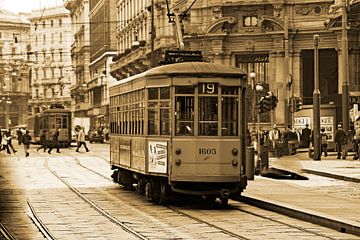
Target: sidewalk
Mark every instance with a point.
(308, 203)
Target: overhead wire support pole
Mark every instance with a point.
(345, 68)
(316, 102)
(152, 57)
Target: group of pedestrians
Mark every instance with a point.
(47, 142)
(289, 140)
(23, 138)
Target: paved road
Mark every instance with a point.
(28, 179)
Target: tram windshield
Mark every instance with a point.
(212, 100)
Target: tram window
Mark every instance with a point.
(153, 128)
(229, 125)
(165, 93)
(64, 122)
(153, 93)
(184, 115)
(185, 90)
(51, 122)
(58, 122)
(46, 122)
(164, 121)
(229, 90)
(208, 116)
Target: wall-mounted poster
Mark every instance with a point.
(157, 156)
(328, 124)
(325, 122)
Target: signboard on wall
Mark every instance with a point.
(157, 162)
(325, 122)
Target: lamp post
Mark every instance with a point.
(6, 101)
(316, 101)
(345, 68)
(256, 115)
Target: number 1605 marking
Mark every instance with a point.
(207, 151)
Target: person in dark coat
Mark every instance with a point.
(341, 141)
(306, 136)
(26, 140)
(9, 138)
(55, 142)
(19, 135)
(43, 141)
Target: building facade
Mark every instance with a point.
(52, 73)
(14, 69)
(274, 39)
(143, 34)
(80, 55)
(102, 15)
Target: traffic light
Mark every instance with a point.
(298, 104)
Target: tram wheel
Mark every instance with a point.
(148, 191)
(211, 199)
(118, 177)
(224, 201)
(163, 193)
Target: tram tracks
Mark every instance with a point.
(38, 223)
(227, 232)
(94, 206)
(5, 233)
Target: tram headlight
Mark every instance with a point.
(178, 162)
(234, 152)
(234, 162)
(178, 151)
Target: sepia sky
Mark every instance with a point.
(17, 6)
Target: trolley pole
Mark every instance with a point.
(316, 101)
(345, 68)
(152, 37)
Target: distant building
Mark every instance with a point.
(52, 75)
(143, 34)
(274, 39)
(14, 69)
(80, 55)
(102, 16)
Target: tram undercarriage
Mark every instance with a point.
(158, 190)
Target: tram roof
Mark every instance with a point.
(189, 68)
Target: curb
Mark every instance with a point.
(332, 175)
(339, 224)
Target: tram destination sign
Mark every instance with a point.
(208, 88)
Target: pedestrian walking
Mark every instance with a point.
(341, 141)
(55, 141)
(81, 140)
(9, 138)
(306, 136)
(275, 138)
(4, 143)
(19, 135)
(43, 141)
(26, 140)
(324, 141)
(356, 142)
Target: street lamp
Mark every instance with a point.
(256, 87)
(345, 67)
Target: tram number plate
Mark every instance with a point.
(207, 151)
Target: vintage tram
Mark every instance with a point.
(50, 120)
(180, 128)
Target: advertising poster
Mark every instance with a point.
(325, 122)
(157, 156)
